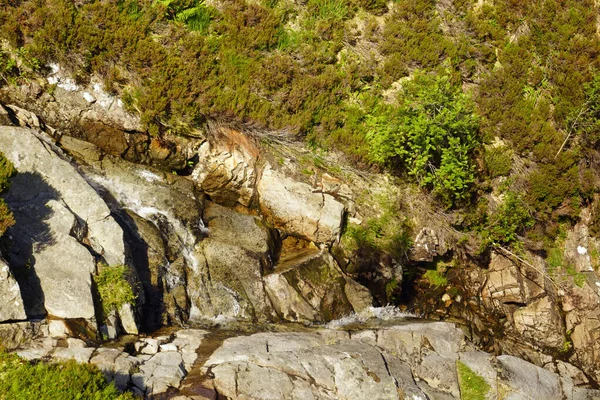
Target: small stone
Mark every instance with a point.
(168, 347)
(88, 97)
(57, 328)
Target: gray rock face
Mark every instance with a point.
(11, 303)
(62, 222)
(162, 214)
(227, 281)
(298, 209)
(308, 285)
(409, 361)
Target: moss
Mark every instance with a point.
(20, 379)
(472, 386)
(114, 288)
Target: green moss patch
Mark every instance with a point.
(472, 386)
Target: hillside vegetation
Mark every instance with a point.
(459, 96)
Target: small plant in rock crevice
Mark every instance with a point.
(114, 288)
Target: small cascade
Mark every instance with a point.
(371, 317)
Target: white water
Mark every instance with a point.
(387, 313)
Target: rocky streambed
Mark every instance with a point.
(395, 359)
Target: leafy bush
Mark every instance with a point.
(114, 288)
(509, 221)
(20, 379)
(432, 134)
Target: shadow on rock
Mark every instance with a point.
(28, 199)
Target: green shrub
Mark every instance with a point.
(472, 386)
(114, 288)
(20, 379)
(509, 221)
(432, 135)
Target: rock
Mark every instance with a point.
(503, 281)
(407, 341)
(426, 246)
(57, 328)
(110, 329)
(187, 342)
(62, 266)
(115, 365)
(59, 215)
(527, 381)
(299, 366)
(81, 355)
(308, 285)
(38, 350)
(81, 149)
(439, 373)
(246, 231)
(168, 347)
(127, 318)
(227, 281)
(578, 246)
(161, 372)
(149, 346)
(226, 168)
(73, 343)
(25, 118)
(11, 302)
(5, 116)
(20, 334)
(298, 209)
(540, 322)
(359, 296)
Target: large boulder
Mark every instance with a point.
(63, 228)
(226, 279)
(298, 209)
(307, 285)
(33, 155)
(227, 167)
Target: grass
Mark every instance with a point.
(20, 379)
(472, 386)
